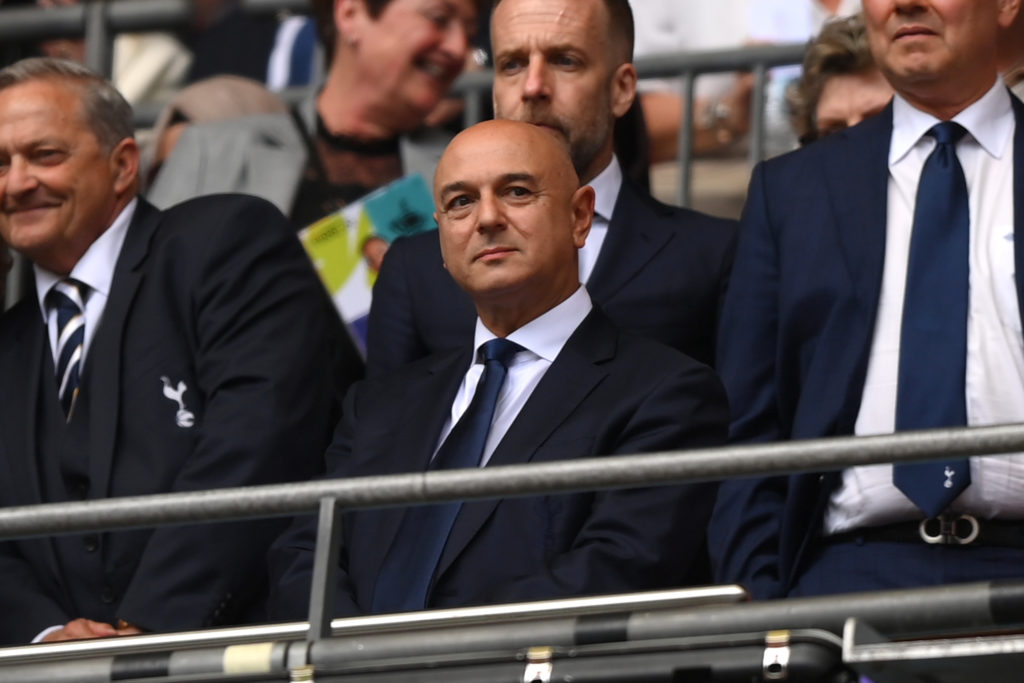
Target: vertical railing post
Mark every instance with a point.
(685, 151)
(99, 38)
(757, 116)
(325, 563)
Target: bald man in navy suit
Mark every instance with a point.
(512, 218)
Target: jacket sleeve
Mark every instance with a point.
(291, 557)
(392, 339)
(264, 339)
(743, 536)
(29, 608)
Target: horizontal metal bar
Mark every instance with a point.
(27, 24)
(425, 620)
(982, 607)
(512, 480)
(670, 65)
(909, 612)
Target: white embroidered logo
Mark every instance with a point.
(184, 417)
(949, 478)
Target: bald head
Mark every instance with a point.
(550, 150)
(512, 216)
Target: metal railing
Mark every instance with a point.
(589, 474)
(947, 608)
(421, 651)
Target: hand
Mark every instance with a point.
(126, 628)
(81, 629)
(374, 249)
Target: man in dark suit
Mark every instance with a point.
(876, 290)
(656, 270)
(159, 352)
(512, 217)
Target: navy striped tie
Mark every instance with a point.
(66, 299)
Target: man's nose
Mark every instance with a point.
(490, 216)
(536, 86)
(19, 179)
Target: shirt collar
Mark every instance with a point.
(96, 267)
(545, 335)
(606, 188)
(989, 121)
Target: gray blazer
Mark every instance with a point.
(263, 155)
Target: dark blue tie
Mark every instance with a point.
(933, 337)
(66, 298)
(407, 571)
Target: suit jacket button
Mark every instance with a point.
(79, 490)
(91, 543)
(107, 595)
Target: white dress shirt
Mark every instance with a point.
(543, 338)
(606, 190)
(95, 269)
(995, 349)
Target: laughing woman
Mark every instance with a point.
(391, 62)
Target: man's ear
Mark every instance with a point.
(582, 214)
(1008, 10)
(124, 160)
(350, 16)
(623, 88)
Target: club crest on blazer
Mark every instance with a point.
(184, 418)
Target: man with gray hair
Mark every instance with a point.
(878, 289)
(159, 352)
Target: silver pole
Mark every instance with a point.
(512, 480)
(944, 610)
(427, 621)
(685, 151)
(758, 100)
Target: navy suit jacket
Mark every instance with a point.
(796, 334)
(216, 293)
(661, 273)
(605, 393)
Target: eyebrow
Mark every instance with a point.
(544, 49)
(462, 185)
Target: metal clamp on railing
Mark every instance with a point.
(302, 674)
(539, 665)
(776, 656)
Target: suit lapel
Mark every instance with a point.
(636, 233)
(858, 183)
(22, 358)
(566, 384)
(104, 362)
(426, 404)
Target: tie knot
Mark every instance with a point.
(501, 350)
(67, 292)
(947, 132)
